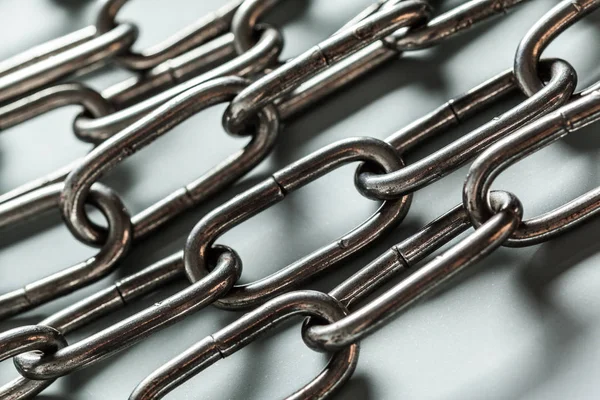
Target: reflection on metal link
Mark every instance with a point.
(380, 311)
(275, 189)
(246, 330)
(304, 92)
(36, 75)
(46, 50)
(558, 91)
(150, 128)
(114, 247)
(98, 129)
(520, 144)
(24, 339)
(43, 101)
(204, 29)
(227, 56)
(129, 331)
(448, 24)
(317, 59)
(545, 30)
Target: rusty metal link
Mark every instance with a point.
(246, 330)
(113, 247)
(532, 137)
(204, 29)
(157, 123)
(273, 190)
(545, 30)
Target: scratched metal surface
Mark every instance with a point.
(523, 324)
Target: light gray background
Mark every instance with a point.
(523, 324)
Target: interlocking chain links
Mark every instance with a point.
(44, 101)
(122, 229)
(552, 24)
(151, 127)
(560, 88)
(33, 76)
(205, 291)
(46, 50)
(247, 329)
(260, 56)
(198, 247)
(349, 329)
(317, 59)
(302, 90)
(125, 333)
(113, 247)
(366, 60)
(519, 145)
(25, 339)
(204, 29)
(129, 331)
(372, 316)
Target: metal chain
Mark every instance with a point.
(229, 57)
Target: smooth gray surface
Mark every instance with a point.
(524, 324)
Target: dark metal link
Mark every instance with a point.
(446, 160)
(520, 144)
(129, 331)
(35, 76)
(273, 190)
(448, 24)
(46, 50)
(111, 152)
(99, 129)
(24, 339)
(317, 59)
(246, 330)
(545, 30)
(374, 315)
(204, 29)
(115, 246)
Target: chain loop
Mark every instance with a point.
(25, 339)
(545, 30)
(151, 127)
(99, 129)
(372, 316)
(273, 190)
(246, 330)
(37, 75)
(441, 163)
(313, 61)
(520, 144)
(129, 331)
(203, 30)
(115, 246)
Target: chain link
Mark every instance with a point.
(231, 56)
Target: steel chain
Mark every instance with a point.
(229, 57)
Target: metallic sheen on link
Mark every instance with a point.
(231, 56)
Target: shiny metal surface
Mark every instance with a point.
(188, 73)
